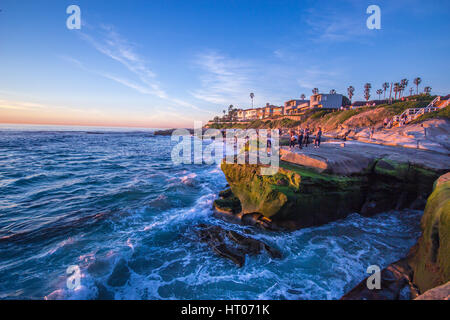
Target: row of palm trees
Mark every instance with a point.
(398, 88)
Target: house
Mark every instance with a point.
(295, 106)
(326, 101)
(277, 111)
(250, 114)
(260, 113)
(268, 110)
(240, 115)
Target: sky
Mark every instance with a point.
(163, 63)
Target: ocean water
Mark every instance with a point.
(99, 199)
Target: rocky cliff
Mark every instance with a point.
(430, 259)
(298, 197)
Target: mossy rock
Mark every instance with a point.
(405, 172)
(294, 193)
(304, 197)
(431, 261)
(255, 191)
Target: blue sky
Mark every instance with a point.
(168, 63)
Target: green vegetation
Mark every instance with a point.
(310, 173)
(399, 107)
(258, 124)
(341, 116)
(440, 114)
(319, 114)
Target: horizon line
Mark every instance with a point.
(87, 125)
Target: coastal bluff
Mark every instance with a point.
(424, 274)
(317, 186)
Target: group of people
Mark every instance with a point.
(300, 137)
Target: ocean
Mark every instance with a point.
(112, 203)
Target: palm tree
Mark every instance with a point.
(427, 90)
(332, 91)
(367, 88)
(396, 89)
(385, 87)
(402, 88)
(417, 81)
(404, 84)
(315, 91)
(303, 96)
(350, 91)
(252, 95)
(379, 92)
(230, 111)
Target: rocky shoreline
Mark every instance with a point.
(315, 188)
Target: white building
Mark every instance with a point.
(327, 101)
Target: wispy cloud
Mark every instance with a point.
(223, 80)
(141, 88)
(13, 104)
(315, 77)
(226, 80)
(20, 105)
(111, 44)
(332, 25)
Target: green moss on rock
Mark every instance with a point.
(396, 185)
(303, 197)
(294, 193)
(431, 260)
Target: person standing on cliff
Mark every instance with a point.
(372, 131)
(424, 130)
(269, 143)
(306, 136)
(317, 139)
(300, 138)
(291, 140)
